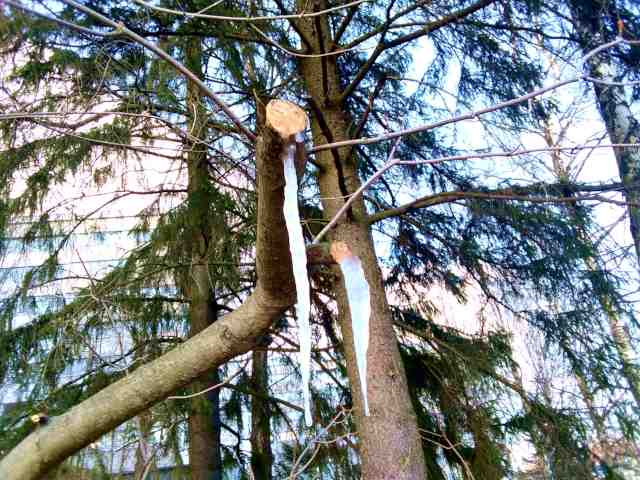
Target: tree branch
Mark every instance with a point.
(121, 29)
(232, 335)
(293, 16)
(428, 28)
(517, 194)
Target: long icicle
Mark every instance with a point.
(359, 300)
(299, 260)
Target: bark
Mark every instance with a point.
(390, 444)
(596, 419)
(261, 455)
(232, 335)
(623, 346)
(205, 459)
(621, 342)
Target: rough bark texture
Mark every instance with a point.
(261, 455)
(390, 445)
(204, 417)
(589, 18)
(232, 335)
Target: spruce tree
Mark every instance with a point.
(435, 394)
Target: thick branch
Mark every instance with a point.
(230, 336)
(524, 194)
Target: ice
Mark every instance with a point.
(299, 260)
(360, 307)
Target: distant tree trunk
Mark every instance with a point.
(144, 456)
(590, 19)
(204, 431)
(622, 344)
(261, 455)
(560, 456)
(390, 444)
(536, 432)
(204, 417)
(596, 419)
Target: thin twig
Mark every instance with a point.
(477, 113)
(293, 16)
(208, 389)
(391, 162)
(303, 55)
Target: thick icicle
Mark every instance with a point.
(360, 308)
(299, 259)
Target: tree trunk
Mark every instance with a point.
(145, 462)
(204, 416)
(261, 455)
(589, 19)
(390, 444)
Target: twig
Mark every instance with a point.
(315, 443)
(477, 113)
(303, 55)
(391, 162)
(208, 389)
(293, 16)
(441, 123)
(71, 25)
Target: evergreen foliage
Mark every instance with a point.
(530, 259)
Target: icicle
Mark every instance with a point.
(359, 306)
(299, 260)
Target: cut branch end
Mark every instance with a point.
(286, 118)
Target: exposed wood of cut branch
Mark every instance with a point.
(286, 118)
(340, 251)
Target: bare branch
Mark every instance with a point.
(65, 23)
(441, 123)
(302, 55)
(506, 194)
(477, 113)
(428, 28)
(293, 16)
(392, 162)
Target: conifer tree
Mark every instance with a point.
(434, 394)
